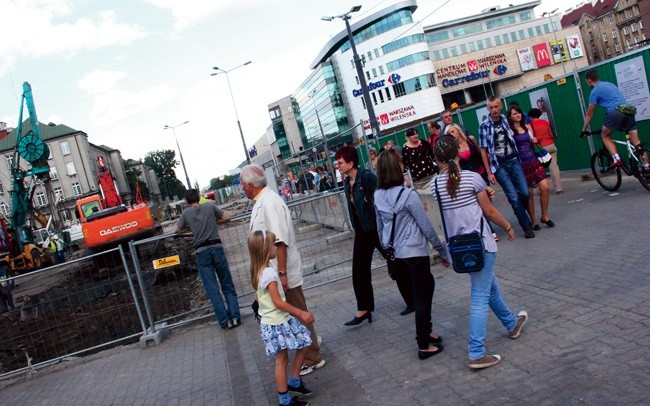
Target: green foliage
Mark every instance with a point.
(163, 163)
(133, 178)
(218, 183)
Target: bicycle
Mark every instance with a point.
(608, 176)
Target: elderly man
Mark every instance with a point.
(271, 213)
(210, 257)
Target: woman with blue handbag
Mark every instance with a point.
(464, 202)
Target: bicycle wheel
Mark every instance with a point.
(609, 180)
(643, 177)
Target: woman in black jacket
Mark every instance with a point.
(360, 185)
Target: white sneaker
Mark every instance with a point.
(308, 369)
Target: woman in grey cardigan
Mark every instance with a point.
(413, 233)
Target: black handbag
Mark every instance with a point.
(466, 250)
(389, 253)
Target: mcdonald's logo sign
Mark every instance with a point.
(542, 54)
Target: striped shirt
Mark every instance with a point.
(463, 214)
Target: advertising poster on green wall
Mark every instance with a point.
(633, 82)
(539, 99)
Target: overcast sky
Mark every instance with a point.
(122, 70)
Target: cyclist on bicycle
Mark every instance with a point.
(620, 116)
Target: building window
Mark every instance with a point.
(530, 32)
(408, 60)
(374, 72)
(640, 24)
(40, 199)
(381, 96)
(525, 16)
(377, 52)
(614, 34)
(634, 27)
(488, 42)
(471, 47)
(402, 42)
(506, 40)
(357, 79)
(479, 43)
(71, 169)
(636, 40)
(625, 32)
(522, 35)
(65, 147)
(4, 208)
(53, 174)
(601, 23)
(370, 55)
(374, 98)
(445, 53)
(611, 19)
(617, 46)
(608, 51)
(546, 29)
(538, 30)
(399, 90)
(76, 189)
(10, 161)
(2, 189)
(275, 113)
(436, 55)
(368, 74)
(497, 40)
(58, 193)
(630, 13)
(605, 37)
(381, 69)
(437, 37)
(513, 36)
(467, 30)
(463, 48)
(454, 51)
(500, 22)
(388, 93)
(363, 102)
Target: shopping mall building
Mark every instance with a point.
(415, 72)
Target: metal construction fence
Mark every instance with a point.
(125, 296)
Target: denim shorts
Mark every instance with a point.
(618, 121)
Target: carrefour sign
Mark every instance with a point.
(392, 79)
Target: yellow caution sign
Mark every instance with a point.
(166, 262)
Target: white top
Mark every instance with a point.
(271, 315)
(271, 213)
(463, 214)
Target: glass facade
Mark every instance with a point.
(467, 30)
(500, 22)
(321, 92)
(397, 19)
(407, 60)
(402, 42)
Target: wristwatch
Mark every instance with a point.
(282, 273)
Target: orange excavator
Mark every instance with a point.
(106, 221)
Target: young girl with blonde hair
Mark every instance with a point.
(280, 327)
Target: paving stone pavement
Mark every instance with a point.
(585, 284)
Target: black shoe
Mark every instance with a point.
(548, 222)
(227, 326)
(528, 232)
(436, 340)
(301, 390)
(358, 320)
(424, 354)
(236, 323)
(408, 310)
(537, 227)
(296, 401)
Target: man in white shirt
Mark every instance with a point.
(271, 213)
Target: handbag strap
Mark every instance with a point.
(392, 229)
(442, 215)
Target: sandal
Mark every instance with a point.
(424, 354)
(548, 222)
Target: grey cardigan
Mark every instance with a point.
(413, 230)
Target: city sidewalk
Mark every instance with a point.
(585, 284)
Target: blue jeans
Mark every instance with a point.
(486, 292)
(513, 182)
(212, 264)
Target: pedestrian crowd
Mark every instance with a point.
(394, 203)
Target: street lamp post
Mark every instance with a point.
(374, 125)
(241, 133)
(173, 128)
(550, 20)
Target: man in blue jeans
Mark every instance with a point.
(210, 257)
(499, 154)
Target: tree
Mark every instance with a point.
(133, 178)
(163, 163)
(217, 183)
